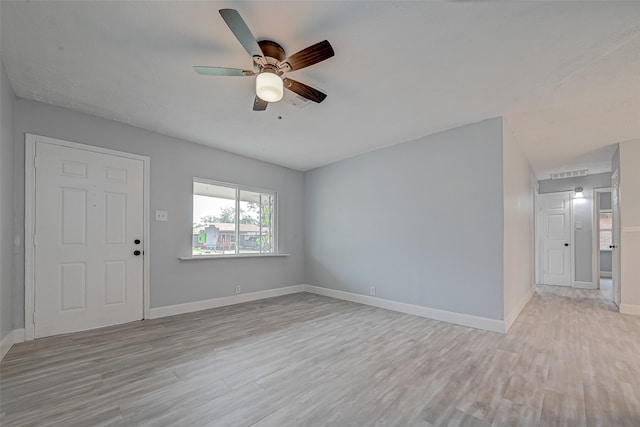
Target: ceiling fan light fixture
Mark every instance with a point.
(269, 86)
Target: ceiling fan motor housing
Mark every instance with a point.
(272, 49)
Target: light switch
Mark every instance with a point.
(162, 216)
(578, 225)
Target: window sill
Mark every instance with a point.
(199, 257)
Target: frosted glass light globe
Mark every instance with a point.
(269, 87)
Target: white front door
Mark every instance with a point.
(615, 237)
(89, 213)
(555, 238)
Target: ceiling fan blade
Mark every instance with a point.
(311, 55)
(259, 104)
(239, 29)
(305, 91)
(221, 71)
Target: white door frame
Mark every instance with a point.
(29, 221)
(595, 236)
(538, 255)
(537, 247)
(616, 237)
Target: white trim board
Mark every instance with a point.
(478, 322)
(172, 310)
(511, 317)
(13, 337)
(29, 222)
(630, 309)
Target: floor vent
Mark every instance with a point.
(570, 174)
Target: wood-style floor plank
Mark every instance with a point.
(304, 359)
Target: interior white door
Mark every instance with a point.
(555, 238)
(615, 237)
(89, 214)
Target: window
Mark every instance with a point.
(218, 229)
(606, 233)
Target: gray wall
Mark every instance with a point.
(583, 211)
(7, 100)
(519, 232)
(605, 261)
(421, 221)
(174, 163)
(605, 201)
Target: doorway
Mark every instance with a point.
(603, 241)
(555, 239)
(86, 219)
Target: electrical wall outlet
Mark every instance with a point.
(372, 291)
(238, 289)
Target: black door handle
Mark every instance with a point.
(566, 244)
(612, 246)
(137, 241)
(137, 252)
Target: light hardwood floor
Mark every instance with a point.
(305, 359)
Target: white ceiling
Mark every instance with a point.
(565, 75)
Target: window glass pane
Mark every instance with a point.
(218, 229)
(256, 224)
(214, 210)
(606, 220)
(605, 240)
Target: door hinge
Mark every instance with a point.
(35, 162)
(34, 317)
(35, 239)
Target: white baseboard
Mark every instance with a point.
(511, 317)
(416, 310)
(478, 322)
(189, 307)
(630, 309)
(584, 285)
(13, 337)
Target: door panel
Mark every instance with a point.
(115, 218)
(73, 285)
(89, 210)
(556, 226)
(115, 282)
(555, 236)
(556, 261)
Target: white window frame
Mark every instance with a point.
(238, 188)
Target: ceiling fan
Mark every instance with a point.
(270, 63)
